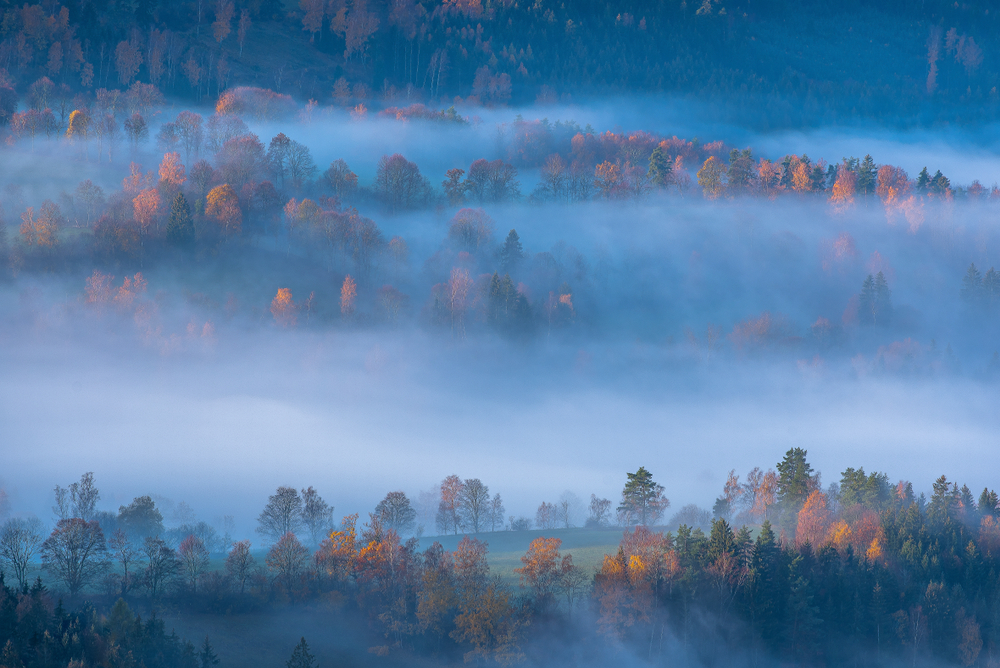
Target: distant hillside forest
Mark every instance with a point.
(779, 63)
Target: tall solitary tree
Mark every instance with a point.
(643, 502)
(396, 512)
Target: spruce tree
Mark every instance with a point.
(301, 658)
(795, 481)
(660, 168)
(940, 185)
(972, 285)
(867, 176)
(511, 252)
(207, 655)
(923, 181)
(180, 229)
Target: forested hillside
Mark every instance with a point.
(770, 64)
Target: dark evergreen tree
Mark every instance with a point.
(818, 179)
(642, 499)
(180, 228)
(972, 285)
(991, 288)
(795, 480)
(940, 185)
(660, 168)
(988, 503)
(923, 181)
(511, 252)
(301, 658)
(207, 656)
(867, 176)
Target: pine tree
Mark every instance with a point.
(180, 229)
(972, 285)
(511, 252)
(642, 499)
(301, 658)
(867, 176)
(923, 181)
(660, 168)
(207, 655)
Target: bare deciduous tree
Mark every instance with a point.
(282, 514)
(75, 554)
(397, 513)
(317, 515)
(240, 563)
(474, 500)
(20, 540)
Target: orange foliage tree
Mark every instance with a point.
(348, 294)
(224, 207)
(284, 309)
(813, 522)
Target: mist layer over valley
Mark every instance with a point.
(434, 375)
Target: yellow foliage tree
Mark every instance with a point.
(283, 308)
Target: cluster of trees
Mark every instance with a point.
(790, 569)
(842, 183)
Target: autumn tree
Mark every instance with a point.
(710, 177)
(449, 511)
(223, 205)
(542, 568)
(348, 295)
(471, 229)
(281, 515)
(813, 521)
(75, 553)
(642, 502)
(340, 180)
(491, 181)
(221, 27)
(284, 309)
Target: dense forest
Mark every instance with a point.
(769, 63)
(862, 572)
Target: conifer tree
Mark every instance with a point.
(642, 499)
(180, 229)
(972, 285)
(923, 181)
(207, 655)
(301, 658)
(660, 168)
(867, 176)
(511, 252)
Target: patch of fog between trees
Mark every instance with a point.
(222, 434)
